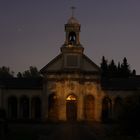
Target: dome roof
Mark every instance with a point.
(73, 20)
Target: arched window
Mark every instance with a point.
(106, 109)
(12, 107)
(52, 107)
(24, 107)
(71, 107)
(89, 107)
(72, 38)
(36, 108)
(118, 107)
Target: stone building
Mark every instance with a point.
(71, 88)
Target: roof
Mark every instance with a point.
(92, 63)
(57, 58)
(57, 66)
(73, 20)
(131, 83)
(21, 83)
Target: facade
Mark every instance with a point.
(71, 88)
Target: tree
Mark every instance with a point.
(119, 70)
(125, 68)
(5, 72)
(19, 75)
(31, 73)
(104, 67)
(134, 72)
(112, 69)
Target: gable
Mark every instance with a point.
(54, 65)
(58, 64)
(88, 65)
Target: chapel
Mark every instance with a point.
(71, 88)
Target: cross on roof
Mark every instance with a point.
(72, 10)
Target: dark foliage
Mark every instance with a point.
(5, 72)
(111, 70)
(104, 67)
(31, 73)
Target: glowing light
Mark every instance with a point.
(71, 97)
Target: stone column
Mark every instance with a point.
(62, 108)
(80, 108)
(30, 109)
(98, 109)
(44, 104)
(112, 114)
(18, 108)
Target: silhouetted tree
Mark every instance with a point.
(112, 69)
(5, 72)
(31, 73)
(19, 75)
(104, 67)
(125, 68)
(134, 72)
(119, 70)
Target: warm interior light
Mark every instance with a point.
(71, 97)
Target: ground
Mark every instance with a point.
(65, 131)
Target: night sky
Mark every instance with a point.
(32, 31)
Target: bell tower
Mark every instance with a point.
(72, 50)
(72, 29)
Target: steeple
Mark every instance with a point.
(72, 29)
(72, 37)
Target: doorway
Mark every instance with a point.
(89, 107)
(106, 109)
(71, 108)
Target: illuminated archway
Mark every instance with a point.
(71, 107)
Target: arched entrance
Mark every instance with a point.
(106, 109)
(12, 107)
(89, 107)
(52, 107)
(36, 108)
(24, 107)
(71, 108)
(118, 108)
